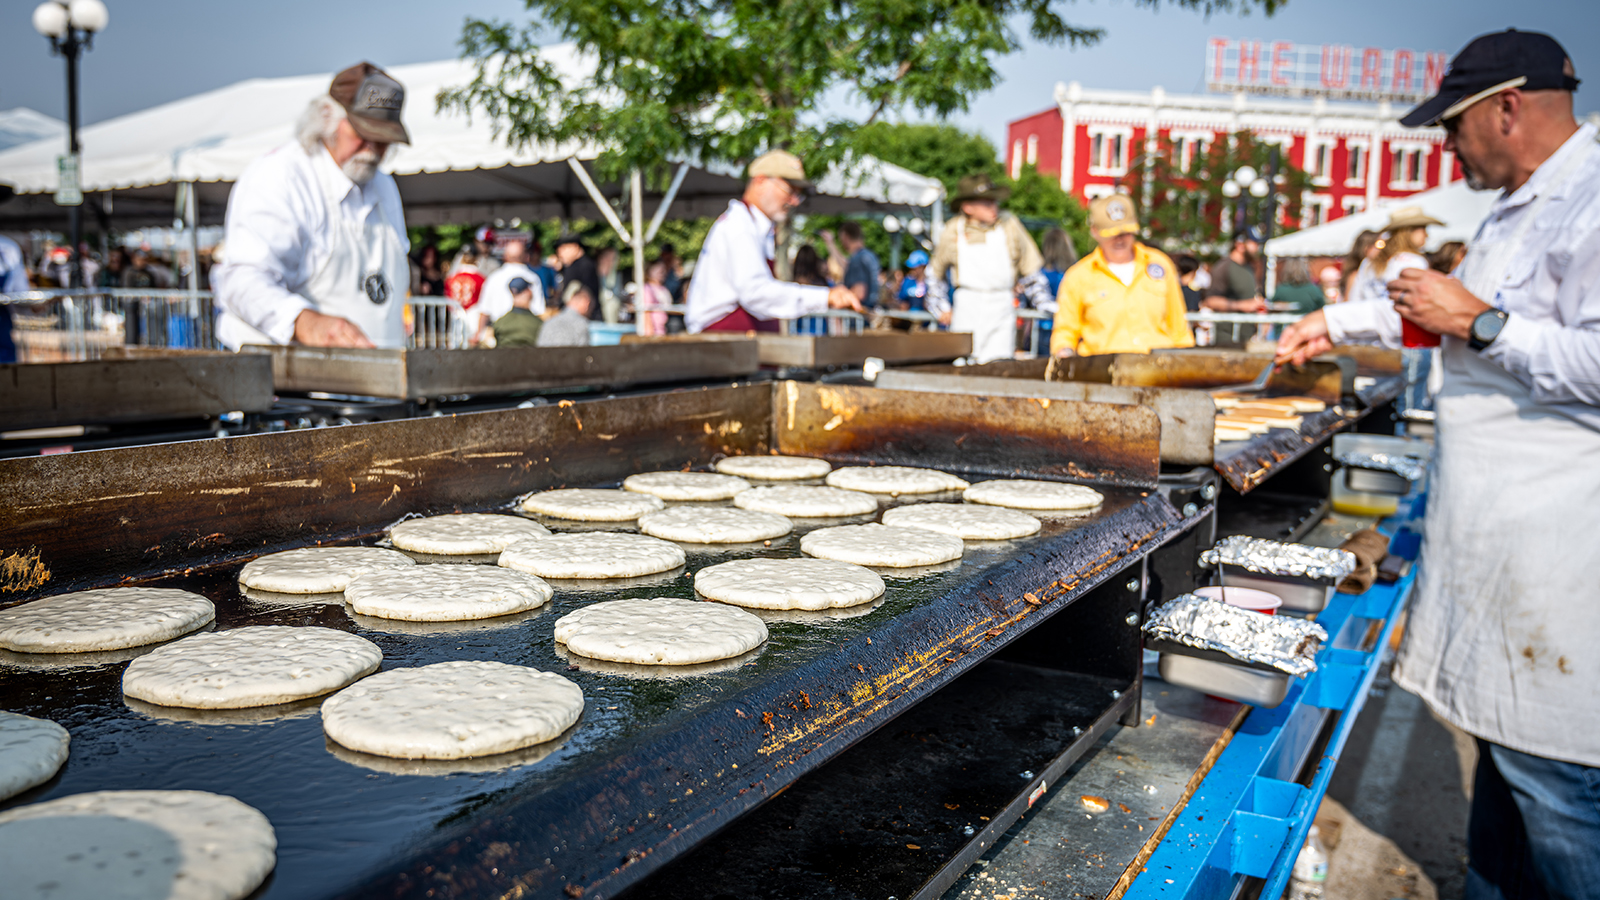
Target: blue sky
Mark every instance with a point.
(159, 51)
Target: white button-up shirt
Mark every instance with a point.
(1502, 632)
(735, 269)
(278, 233)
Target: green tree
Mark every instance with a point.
(1185, 205)
(944, 152)
(667, 80)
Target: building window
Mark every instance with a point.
(1096, 191)
(1033, 149)
(1016, 159)
(1187, 147)
(1108, 150)
(1356, 170)
(1408, 168)
(1315, 209)
(1319, 157)
(1353, 205)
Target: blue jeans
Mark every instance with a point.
(1535, 828)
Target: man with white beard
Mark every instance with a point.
(316, 239)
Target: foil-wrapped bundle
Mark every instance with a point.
(1282, 642)
(1408, 467)
(1277, 558)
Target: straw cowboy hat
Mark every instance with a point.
(978, 187)
(1409, 217)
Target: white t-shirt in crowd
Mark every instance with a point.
(494, 300)
(1369, 286)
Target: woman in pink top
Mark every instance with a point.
(654, 299)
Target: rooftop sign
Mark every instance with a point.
(1334, 71)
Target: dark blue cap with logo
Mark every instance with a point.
(518, 285)
(1493, 63)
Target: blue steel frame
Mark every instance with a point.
(1249, 817)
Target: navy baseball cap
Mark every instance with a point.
(1250, 233)
(1493, 63)
(518, 285)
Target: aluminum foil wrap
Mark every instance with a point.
(1277, 558)
(1408, 467)
(1282, 642)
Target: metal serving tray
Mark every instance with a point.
(132, 389)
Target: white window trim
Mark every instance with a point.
(1096, 191)
(1033, 150)
(1323, 203)
(1111, 131)
(1016, 159)
(1325, 179)
(1366, 162)
(1353, 205)
(1189, 140)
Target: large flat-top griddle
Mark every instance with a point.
(426, 373)
(655, 766)
(835, 351)
(132, 388)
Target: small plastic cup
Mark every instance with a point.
(1244, 598)
(1416, 336)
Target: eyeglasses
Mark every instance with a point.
(796, 196)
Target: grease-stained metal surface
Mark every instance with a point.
(40, 395)
(1246, 464)
(89, 519)
(1326, 378)
(1188, 418)
(654, 766)
(831, 351)
(1018, 437)
(431, 372)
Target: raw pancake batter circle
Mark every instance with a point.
(452, 710)
(714, 525)
(666, 631)
(968, 521)
(789, 583)
(895, 480)
(446, 593)
(259, 665)
(317, 570)
(592, 554)
(806, 501)
(686, 487)
(591, 505)
(463, 534)
(774, 468)
(883, 545)
(31, 751)
(1028, 494)
(182, 845)
(102, 619)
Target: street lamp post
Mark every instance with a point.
(71, 27)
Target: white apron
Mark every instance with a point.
(982, 303)
(364, 279)
(1501, 635)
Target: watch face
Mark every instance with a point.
(1486, 327)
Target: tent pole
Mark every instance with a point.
(638, 238)
(666, 202)
(598, 198)
(191, 218)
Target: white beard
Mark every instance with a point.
(361, 167)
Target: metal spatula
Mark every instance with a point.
(1257, 384)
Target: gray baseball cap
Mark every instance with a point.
(373, 101)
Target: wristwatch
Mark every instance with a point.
(1486, 327)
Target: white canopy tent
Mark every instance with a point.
(455, 170)
(1460, 208)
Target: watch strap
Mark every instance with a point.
(1477, 342)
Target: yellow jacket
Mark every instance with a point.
(1096, 313)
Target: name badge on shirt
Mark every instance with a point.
(1156, 271)
(377, 288)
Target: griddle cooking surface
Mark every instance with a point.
(347, 823)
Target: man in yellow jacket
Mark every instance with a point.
(1122, 298)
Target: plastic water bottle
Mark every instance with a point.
(1310, 869)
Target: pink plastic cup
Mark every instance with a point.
(1244, 598)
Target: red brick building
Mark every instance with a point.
(1356, 153)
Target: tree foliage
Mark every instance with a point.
(721, 80)
(1185, 205)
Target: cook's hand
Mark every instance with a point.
(1065, 352)
(843, 298)
(945, 317)
(1304, 339)
(1435, 301)
(317, 330)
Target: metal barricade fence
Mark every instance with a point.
(437, 323)
(79, 325)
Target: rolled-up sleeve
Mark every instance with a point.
(268, 241)
(1559, 363)
(1363, 322)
